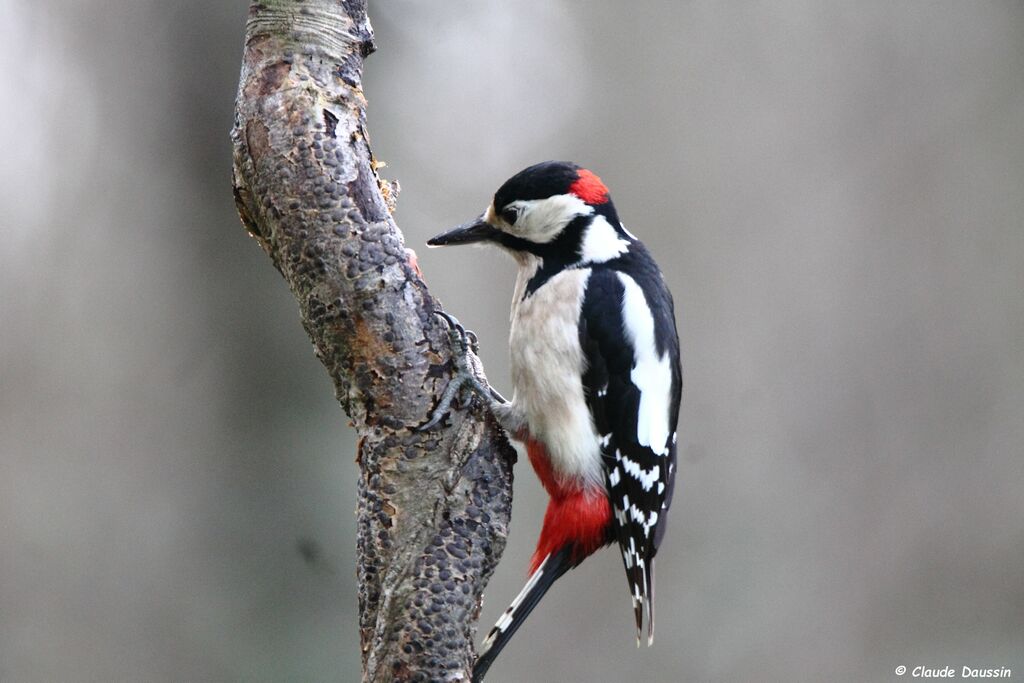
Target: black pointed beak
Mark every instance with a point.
(474, 231)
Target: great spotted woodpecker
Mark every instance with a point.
(595, 366)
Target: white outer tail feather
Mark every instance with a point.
(509, 614)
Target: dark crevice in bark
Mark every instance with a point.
(330, 122)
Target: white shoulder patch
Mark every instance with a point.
(601, 242)
(651, 374)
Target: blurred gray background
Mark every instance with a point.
(834, 191)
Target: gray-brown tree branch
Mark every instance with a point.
(433, 506)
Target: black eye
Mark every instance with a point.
(509, 214)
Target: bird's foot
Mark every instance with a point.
(463, 342)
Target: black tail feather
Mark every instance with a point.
(649, 600)
(556, 564)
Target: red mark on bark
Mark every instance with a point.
(413, 262)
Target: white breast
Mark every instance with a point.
(547, 364)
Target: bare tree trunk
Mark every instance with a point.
(433, 507)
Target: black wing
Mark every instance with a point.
(639, 476)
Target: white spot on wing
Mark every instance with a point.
(620, 516)
(637, 514)
(651, 374)
(646, 478)
(652, 519)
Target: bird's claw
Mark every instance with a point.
(460, 337)
(462, 342)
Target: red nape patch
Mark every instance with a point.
(589, 187)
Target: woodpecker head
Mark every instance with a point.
(554, 209)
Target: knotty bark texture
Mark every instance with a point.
(433, 507)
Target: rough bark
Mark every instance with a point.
(433, 507)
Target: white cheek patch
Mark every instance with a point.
(540, 220)
(651, 374)
(601, 242)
